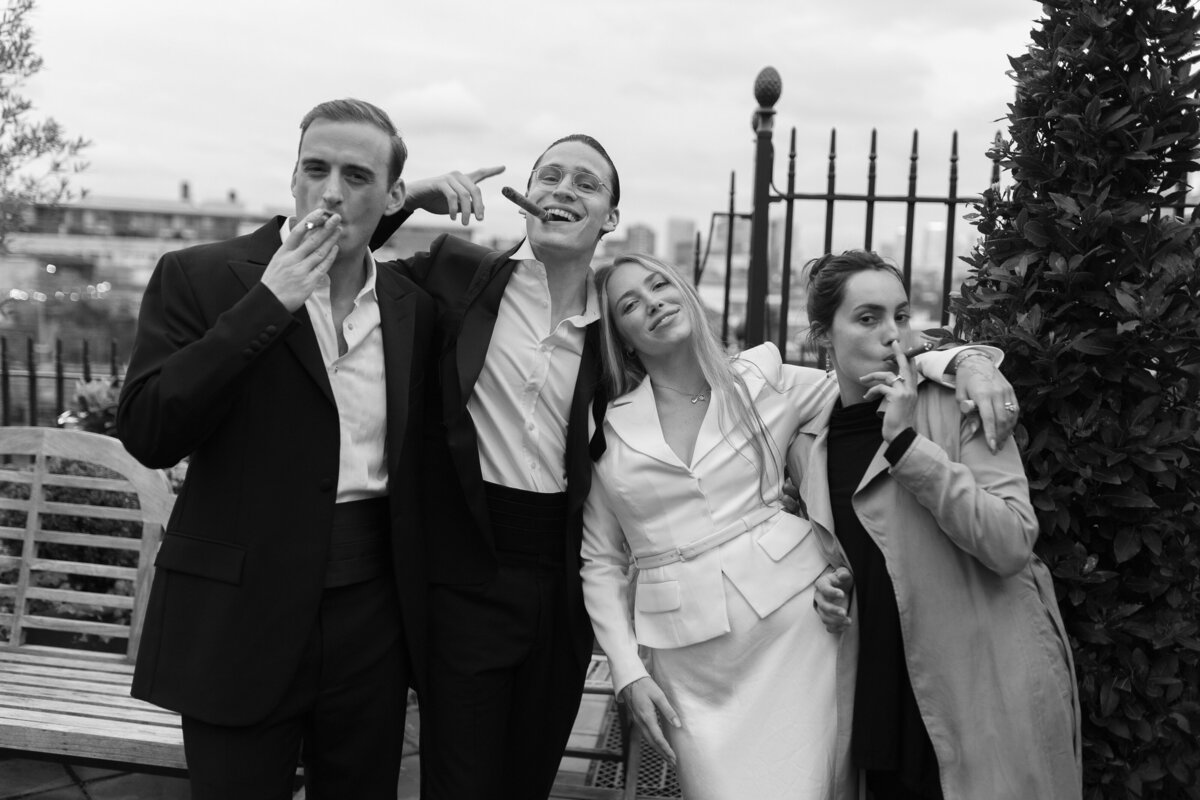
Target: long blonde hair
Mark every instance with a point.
(624, 372)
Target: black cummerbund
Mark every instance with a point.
(528, 523)
(359, 543)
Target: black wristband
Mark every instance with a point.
(899, 445)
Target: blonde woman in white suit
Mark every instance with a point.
(688, 494)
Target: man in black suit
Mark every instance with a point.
(516, 364)
(287, 608)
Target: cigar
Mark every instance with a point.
(916, 350)
(524, 202)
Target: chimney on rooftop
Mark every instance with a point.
(233, 197)
(185, 192)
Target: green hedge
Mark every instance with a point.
(1087, 278)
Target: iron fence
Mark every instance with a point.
(34, 387)
(829, 201)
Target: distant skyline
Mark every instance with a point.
(212, 93)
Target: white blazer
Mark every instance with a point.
(644, 501)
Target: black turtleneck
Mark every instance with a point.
(889, 739)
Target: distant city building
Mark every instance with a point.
(147, 219)
(681, 241)
(638, 238)
(77, 271)
(928, 265)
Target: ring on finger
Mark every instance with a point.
(898, 379)
(1010, 407)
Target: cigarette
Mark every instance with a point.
(524, 202)
(325, 214)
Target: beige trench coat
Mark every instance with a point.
(987, 654)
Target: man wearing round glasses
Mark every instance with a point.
(507, 471)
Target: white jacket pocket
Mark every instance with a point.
(782, 539)
(655, 598)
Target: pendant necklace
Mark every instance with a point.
(696, 397)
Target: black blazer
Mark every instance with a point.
(467, 282)
(222, 372)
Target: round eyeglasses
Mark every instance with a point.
(552, 175)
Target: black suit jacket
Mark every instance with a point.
(467, 282)
(222, 372)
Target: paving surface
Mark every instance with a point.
(44, 780)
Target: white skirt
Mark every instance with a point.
(757, 705)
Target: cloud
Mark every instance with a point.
(446, 107)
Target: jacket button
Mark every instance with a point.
(271, 329)
(326, 485)
(248, 353)
(264, 338)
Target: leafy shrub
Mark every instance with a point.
(1087, 278)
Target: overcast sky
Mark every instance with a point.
(212, 92)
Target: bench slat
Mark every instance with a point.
(122, 700)
(83, 568)
(145, 731)
(76, 671)
(57, 657)
(74, 509)
(75, 626)
(7, 532)
(86, 710)
(121, 601)
(90, 540)
(88, 482)
(16, 476)
(130, 746)
(69, 686)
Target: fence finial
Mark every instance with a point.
(768, 86)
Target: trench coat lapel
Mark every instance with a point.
(814, 484)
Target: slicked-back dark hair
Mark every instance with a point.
(350, 109)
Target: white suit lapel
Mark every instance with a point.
(634, 419)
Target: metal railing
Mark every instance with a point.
(767, 90)
(34, 392)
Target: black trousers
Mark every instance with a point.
(504, 688)
(344, 710)
(504, 682)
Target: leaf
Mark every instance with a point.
(1035, 232)
(1065, 203)
(1130, 498)
(1090, 345)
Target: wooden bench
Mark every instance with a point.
(76, 507)
(80, 522)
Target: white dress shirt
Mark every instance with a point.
(357, 380)
(522, 399)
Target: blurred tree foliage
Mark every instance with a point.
(37, 158)
(1087, 277)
